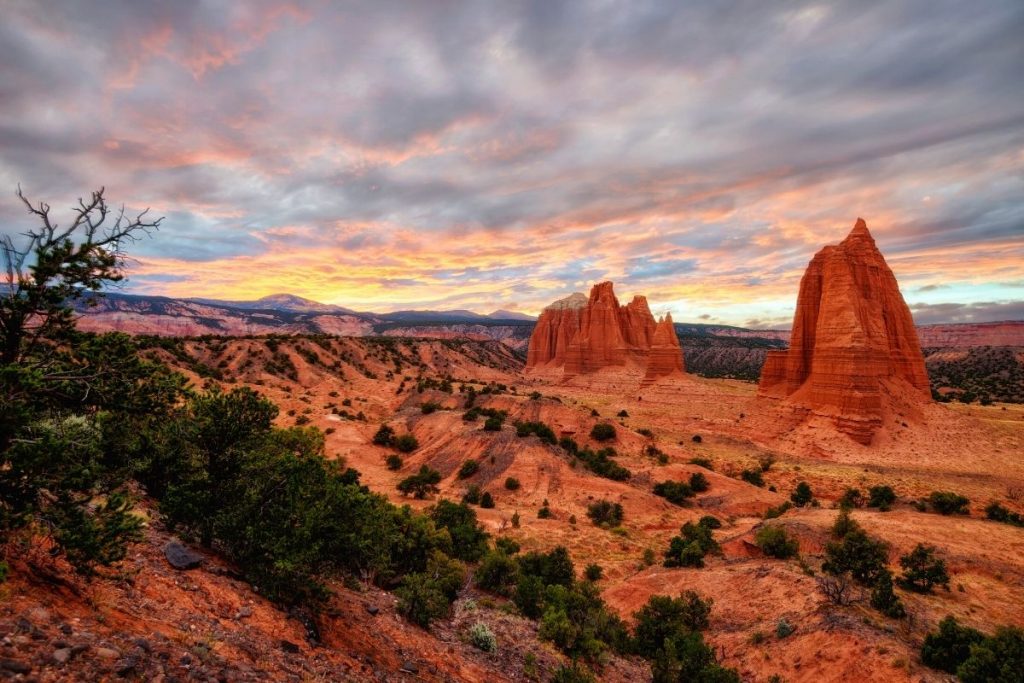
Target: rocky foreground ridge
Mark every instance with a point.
(853, 348)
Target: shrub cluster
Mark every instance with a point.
(601, 463)
(948, 503)
(693, 543)
(603, 431)
(973, 656)
(539, 429)
(604, 513)
(775, 542)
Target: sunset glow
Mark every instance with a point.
(386, 156)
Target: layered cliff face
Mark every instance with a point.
(582, 335)
(853, 347)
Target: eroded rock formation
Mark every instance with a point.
(582, 335)
(853, 348)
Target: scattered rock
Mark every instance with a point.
(107, 653)
(243, 613)
(409, 667)
(14, 666)
(143, 645)
(372, 609)
(181, 557)
(289, 647)
(62, 655)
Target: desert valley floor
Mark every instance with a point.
(350, 386)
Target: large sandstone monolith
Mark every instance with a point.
(666, 356)
(582, 335)
(853, 348)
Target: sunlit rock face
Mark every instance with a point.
(853, 348)
(582, 335)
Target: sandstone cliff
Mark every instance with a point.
(853, 347)
(666, 356)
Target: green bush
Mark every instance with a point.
(702, 462)
(472, 495)
(950, 646)
(863, 557)
(512, 484)
(922, 571)
(775, 542)
(605, 513)
(802, 495)
(668, 634)
(844, 523)
(421, 484)
(851, 498)
(426, 596)
(593, 572)
(948, 503)
(752, 477)
(493, 424)
(675, 492)
(469, 540)
(699, 483)
(468, 469)
(393, 462)
(482, 637)
(689, 548)
(881, 497)
(601, 463)
(487, 500)
(997, 513)
(498, 573)
(783, 629)
(384, 436)
(428, 407)
(539, 429)
(664, 616)
(406, 443)
(709, 522)
(997, 658)
(573, 673)
(602, 431)
(778, 511)
(884, 599)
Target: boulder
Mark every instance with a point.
(180, 557)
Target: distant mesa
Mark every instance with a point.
(581, 335)
(853, 353)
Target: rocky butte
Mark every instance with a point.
(853, 353)
(582, 335)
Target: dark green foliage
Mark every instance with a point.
(778, 511)
(699, 483)
(421, 484)
(709, 522)
(393, 462)
(668, 634)
(601, 463)
(664, 616)
(512, 484)
(605, 513)
(884, 599)
(498, 572)
(997, 513)
(689, 548)
(487, 500)
(469, 540)
(428, 407)
(752, 477)
(406, 443)
(859, 554)
(493, 424)
(674, 491)
(948, 503)
(997, 659)
(783, 629)
(881, 497)
(472, 495)
(554, 568)
(507, 545)
(544, 512)
(802, 494)
(985, 372)
(384, 436)
(775, 542)
(593, 572)
(468, 469)
(922, 571)
(573, 673)
(426, 596)
(852, 498)
(569, 445)
(623, 413)
(844, 523)
(577, 622)
(950, 645)
(703, 462)
(602, 431)
(539, 429)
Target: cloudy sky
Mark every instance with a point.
(385, 155)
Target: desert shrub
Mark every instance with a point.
(673, 491)
(644, 431)
(576, 621)
(699, 483)
(593, 572)
(752, 477)
(922, 571)
(545, 511)
(512, 484)
(498, 572)
(426, 596)
(605, 513)
(472, 495)
(697, 438)
(428, 407)
(881, 497)
(844, 523)
(602, 431)
(574, 672)
(778, 510)
(482, 637)
(997, 513)
(539, 429)
(765, 462)
(948, 503)
(393, 462)
(493, 424)
(783, 629)
(703, 462)
(859, 554)
(838, 590)
(384, 436)
(851, 498)
(662, 616)
(999, 658)
(569, 445)
(801, 495)
(469, 540)
(689, 548)
(601, 463)
(507, 545)
(950, 646)
(775, 542)
(668, 633)
(884, 599)
(487, 500)
(623, 413)
(421, 484)
(709, 522)
(406, 443)
(468, 469)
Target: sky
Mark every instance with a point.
(437, 154)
